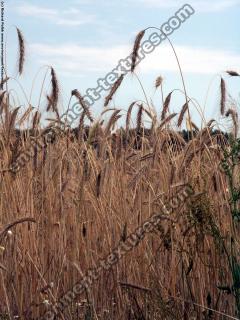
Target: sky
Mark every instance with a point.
(83, 40)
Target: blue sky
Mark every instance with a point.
(84, 39)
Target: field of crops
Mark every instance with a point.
(144, 218)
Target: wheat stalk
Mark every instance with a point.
(182, 113)
(233, 73)
(136, 46)
(53, 98)
(113, 90)
(21, 46)
(223, 96)
(166, 120)
(83, 104)
(166, 106)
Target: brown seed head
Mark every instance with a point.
(158, 82)
(82, 102)
(223, 96)
(136, 46)
(233, 73)
(166, 106)
(113, 90)
(21, 45)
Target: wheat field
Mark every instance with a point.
(81, 194)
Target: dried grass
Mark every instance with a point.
(84, 194)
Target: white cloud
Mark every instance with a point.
(69, 17)
(198, 5)
(192, 59)
(72, 59)
(35, 11)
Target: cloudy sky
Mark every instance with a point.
(84, 39)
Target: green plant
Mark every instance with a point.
(230, 165)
